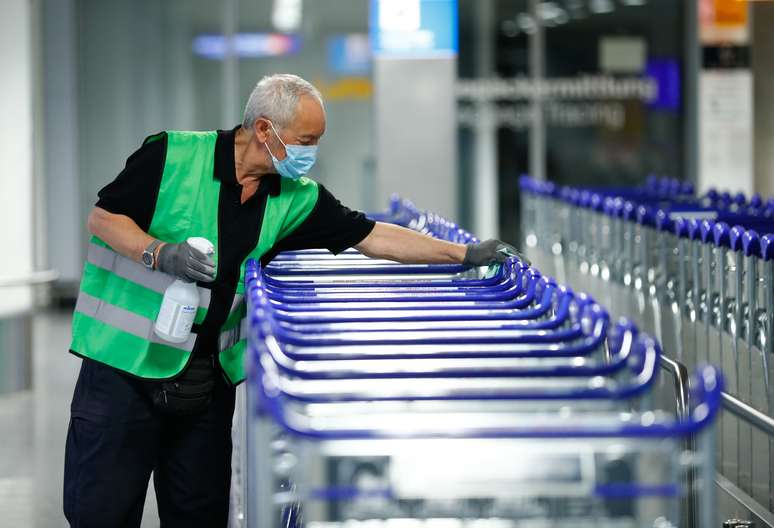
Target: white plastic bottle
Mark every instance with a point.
(181, 300)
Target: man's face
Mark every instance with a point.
(306, 129)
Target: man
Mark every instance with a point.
(143, 405)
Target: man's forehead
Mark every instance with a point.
(310, 117)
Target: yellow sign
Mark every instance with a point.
(346, 89)
(731, 13)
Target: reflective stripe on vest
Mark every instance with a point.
(127, 269)
(232, 336)
(126, 321)
(238, 298)
(135, 324)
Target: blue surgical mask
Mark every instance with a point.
(299, 159)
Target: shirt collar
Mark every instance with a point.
(225, 164)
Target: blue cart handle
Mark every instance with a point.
(707, 386)
(643, 365)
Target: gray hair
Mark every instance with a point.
(275, 97)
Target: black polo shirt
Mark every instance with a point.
(330, 225)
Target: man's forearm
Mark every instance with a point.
(120, 232)
(397, 243)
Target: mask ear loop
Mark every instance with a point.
(278, 137)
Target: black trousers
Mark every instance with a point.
(116, 439)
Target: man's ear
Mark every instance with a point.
(262, 130)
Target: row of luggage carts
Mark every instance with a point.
(390, 395)
(697, 272)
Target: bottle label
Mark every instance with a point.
(182, 326)
(175, 319)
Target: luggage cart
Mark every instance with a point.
(320, 441)
(696, 273)
(331, 448)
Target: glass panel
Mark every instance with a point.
(614, 72)
(611, 96)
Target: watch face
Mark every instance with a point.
(147, 259)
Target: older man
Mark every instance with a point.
(144, 405)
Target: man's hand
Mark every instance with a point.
(186, 262)
(491, 251)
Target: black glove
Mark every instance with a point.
(490, 251)
(186, 262)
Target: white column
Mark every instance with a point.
(229, 110)
(691, 69)
(16, 177)
(485, 178)
(416, 131)
(537, 133)
(415, 105)
(485, 184)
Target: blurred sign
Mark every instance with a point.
(574, 102)
(582, 87)
(726, 129)
(414, 28)
(349, 54)
(622, 54)
(725, 96)
(246, 45)
(724, 21)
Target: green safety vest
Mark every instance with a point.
(119, 299)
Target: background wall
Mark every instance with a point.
(60, 170)
(117, 71)
(134, 77)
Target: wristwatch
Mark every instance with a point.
(149, 255)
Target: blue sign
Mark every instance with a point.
(349, 55)
(666, 73)
(414, 28)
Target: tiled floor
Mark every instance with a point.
(33, 426)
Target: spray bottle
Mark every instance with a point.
(181, 300)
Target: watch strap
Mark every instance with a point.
(151, 249)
